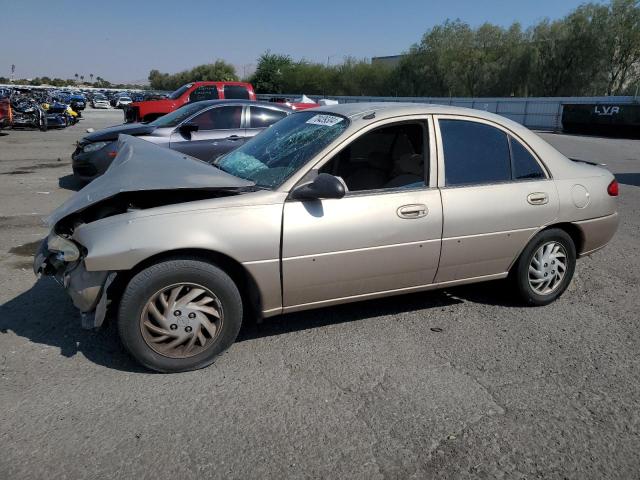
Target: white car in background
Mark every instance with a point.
(122, 101)
(100, 101)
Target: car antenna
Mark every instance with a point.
(369, 116)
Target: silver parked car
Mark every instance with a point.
(330, 205)
(204, 130)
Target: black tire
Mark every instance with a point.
(156, 277)
(520, 271)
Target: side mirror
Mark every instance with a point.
(324, 186)
(188, 127)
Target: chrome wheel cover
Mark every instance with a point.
(547, 268)
(181, 320)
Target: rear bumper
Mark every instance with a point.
(597, 232)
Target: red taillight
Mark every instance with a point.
(612, 189)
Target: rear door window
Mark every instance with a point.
(206, 92)
(474, 153)
(236, 92)
(264, 117)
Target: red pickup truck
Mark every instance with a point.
(191, 92)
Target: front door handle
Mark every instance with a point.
(538, 198)
(412, 211)
(234, 138)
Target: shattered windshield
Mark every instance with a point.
(273, 156)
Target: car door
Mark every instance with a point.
(370, 242)
(260, 118)
(220, 130)
(496, 194)
(204, 92)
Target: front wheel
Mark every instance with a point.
(545, 267)
(178, 315)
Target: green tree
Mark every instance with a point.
(218, 71)
(621, 45)
(567, 54)
(360, 77)
(269, 74)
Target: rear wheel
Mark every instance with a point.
(545, 267)
(179, 315)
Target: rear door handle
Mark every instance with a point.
(538, 198)
(412, 211)
(233, 138)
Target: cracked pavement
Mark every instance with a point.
(365, 390)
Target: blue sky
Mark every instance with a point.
(123, 40)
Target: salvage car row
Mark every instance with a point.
(45, 108)
(24, 108)
(324, 206)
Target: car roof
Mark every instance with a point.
(218, 82)
(276, 106)
(393, 109)
(384, 110)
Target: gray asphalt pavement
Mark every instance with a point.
(369, 390)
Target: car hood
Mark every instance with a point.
(111, 133)
(143, 166)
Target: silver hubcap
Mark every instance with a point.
(181, 320)
(547, 268)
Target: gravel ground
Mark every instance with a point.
(365, 390)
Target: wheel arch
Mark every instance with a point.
(569, 228)
(244, 280)
(573, 231)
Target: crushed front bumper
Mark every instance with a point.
(88, 290)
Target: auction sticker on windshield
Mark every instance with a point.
(327, 120)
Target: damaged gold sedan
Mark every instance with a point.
(330, 205)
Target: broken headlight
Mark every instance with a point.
(94, 147)
(67, 250)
